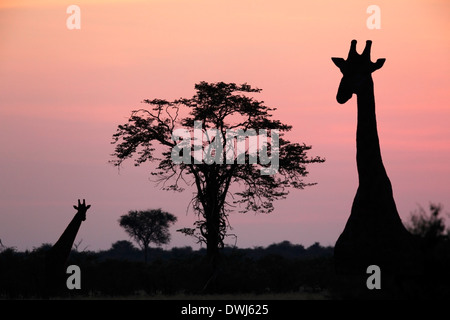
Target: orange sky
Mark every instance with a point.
(63, 92)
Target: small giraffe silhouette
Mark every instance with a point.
(56, 258)
(374, 233)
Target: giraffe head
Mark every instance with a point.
(356, 70)
(82, 208)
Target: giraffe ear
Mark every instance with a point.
(377, 65)
(339, 62)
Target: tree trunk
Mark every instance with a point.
(213, 244)
(213, 238)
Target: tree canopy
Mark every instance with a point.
(431, 227)
(220, 112)
(149, 226)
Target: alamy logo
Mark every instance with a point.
(374, 280)
(232, 146)
(374, 20)
(74, 280)
(74, 20)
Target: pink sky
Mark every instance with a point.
(63, 92)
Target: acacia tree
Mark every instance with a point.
(224, 107)
(148, 226)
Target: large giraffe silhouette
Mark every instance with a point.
(56, 258)
(374, 233)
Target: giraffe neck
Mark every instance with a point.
(56, 258)
(63, 246)
(368, 154)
